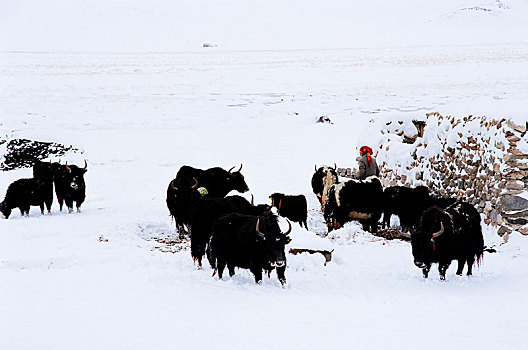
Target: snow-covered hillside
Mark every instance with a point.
(165, 25)
(101, 279)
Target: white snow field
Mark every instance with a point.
(130, 84)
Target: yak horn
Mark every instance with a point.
(289, 228)
(252, 200)
(85, 165)
(335, 166)
(195, 183)
(315, 165)
(67, 167)
(436, 234)
(257, 229)
(172, 185)
(234, 168)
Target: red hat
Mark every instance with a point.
(365, 149)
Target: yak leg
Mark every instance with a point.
(329, 225)
(460, 268)
(41, 205)
(69, 204)
(470, 262)
(221, 266)
(181, 230)
(61, 201)
(257, 271)
(48, 205)
(231, 269)
(386, 219)
(198, 261)
(197, 252)
(281, 274)
(209, 256)
(442, 268)
(365, 225)
(305, 225)
(425, 271)
(374, 226)
(332, 224)
(369, 226)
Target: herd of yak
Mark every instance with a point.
(231, 231)
(38, 190)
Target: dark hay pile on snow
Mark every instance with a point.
(22, 153)
(390, 233)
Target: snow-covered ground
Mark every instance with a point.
(95, 280)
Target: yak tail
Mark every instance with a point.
(479, 249)
(480, 256)
(478, 244)
(210, 257)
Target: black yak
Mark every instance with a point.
(294, 208)
(181, 194)
(180, 202)
(354, 200)
(322, 179)
(207, 210)
(249, 242)
(448, 234)
(70, 186)
(217, 181)
(409, 204)
(22, 194)
(46, 171)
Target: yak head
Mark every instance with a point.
(236, 179)
(183, 194)
(5, 211)
(433, 227)
(276, 199)
(322, 179)
(73, 176)
(272, 240)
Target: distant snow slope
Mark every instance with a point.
(165, 25)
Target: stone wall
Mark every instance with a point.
(475, 159)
